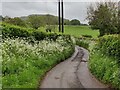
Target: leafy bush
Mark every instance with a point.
(39, 35)
(110, 46)
(14, 31)
(52, 36)
(82, 43)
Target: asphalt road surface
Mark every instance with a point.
(72, 73)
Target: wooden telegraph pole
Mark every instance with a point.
(60, 9)
(59, 15)
(62, 17)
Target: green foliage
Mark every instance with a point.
(76, 31)
(82, 43)
(52, 36)
(87, 36)
(1, 18)
(39, 35)
(25, 64)
(105, 69)
(50, 19)
(14, 31)
(35, 21)
(28, 54)
(50, 28)
(15, 21)
(74, 22)
(110, 46)
(105, 60)
(104, 17)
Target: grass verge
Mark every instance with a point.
(105, 69)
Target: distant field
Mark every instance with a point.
(78, 31)
(81, 30)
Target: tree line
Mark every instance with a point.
(35, 21)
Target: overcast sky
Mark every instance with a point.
(72, 10)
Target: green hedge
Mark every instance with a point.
(82, 43)
(104, 60)
(13, 31)
(110, 46)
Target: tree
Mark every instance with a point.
(104, 17)
(66, 22)
(74, 22)
(15, 21)
(1, 18)
(119, 17)
(35, 21)
(18, 21)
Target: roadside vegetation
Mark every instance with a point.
(105, 53)
(105, 60)
(28, 54)
(25, 63)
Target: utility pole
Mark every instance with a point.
(59, 15)
(60, 10)
(62, 16)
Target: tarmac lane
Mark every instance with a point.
(72, 73)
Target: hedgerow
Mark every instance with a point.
(13, 31)
(105, 60)
(27, 54)
(110, 46)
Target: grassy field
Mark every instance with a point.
(78, 31)
(81, 30)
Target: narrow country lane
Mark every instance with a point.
(72, 73)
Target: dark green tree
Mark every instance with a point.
(104, 17)
(1, 18)
(74, 22)
(119, 17)
(35, 21)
